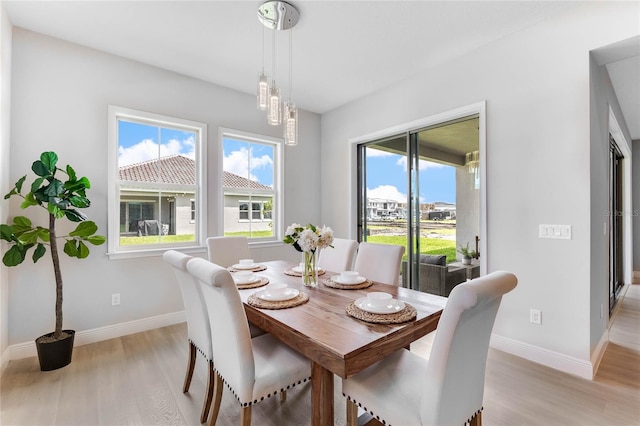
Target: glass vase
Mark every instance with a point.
(309, 270)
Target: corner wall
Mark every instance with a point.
(536, 86)
(5, 134)
(61, 92)
(636, 204)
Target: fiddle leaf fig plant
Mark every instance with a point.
(60, 198)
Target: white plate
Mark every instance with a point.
(338, 279)
(278, 294)
(239, 266)
(391, 308)
(246, 280)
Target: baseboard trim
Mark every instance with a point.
(4, 360)
(598, 352)
(555, 360)
(27, 349)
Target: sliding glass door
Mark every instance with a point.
(420, 189)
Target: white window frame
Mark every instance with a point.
(277, 217)
(114, 250)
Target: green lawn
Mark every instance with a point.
(153, 239)
(428, 245)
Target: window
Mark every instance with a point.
(156, 173)
(251, 185)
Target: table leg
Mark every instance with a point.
(321, 396)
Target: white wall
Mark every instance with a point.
(5, 116)
(536, 84)
(60, 96)
(636, 204)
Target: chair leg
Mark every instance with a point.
(283, 396)
(476, 420)
(217, 398)
(245, 416)
(190, 366)
(211, 381)
(352, 413)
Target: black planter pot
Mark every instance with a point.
(54, 355)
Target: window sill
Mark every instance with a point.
(153, 252)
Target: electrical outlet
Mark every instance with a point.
(535, 316)
(115, 299)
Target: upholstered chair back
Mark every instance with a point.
(226, 251)
(379, 262)
(340, 257)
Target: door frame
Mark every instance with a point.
(478, 108)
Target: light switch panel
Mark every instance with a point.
(561, 232)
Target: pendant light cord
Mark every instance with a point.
(290, 64)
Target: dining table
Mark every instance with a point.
(335, 342)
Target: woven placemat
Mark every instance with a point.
(259, 283)
(301, 298)
(293, 273)
(333, 284)
(255, 269)
(409, 313)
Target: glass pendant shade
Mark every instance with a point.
(290, 124)
(273, 115)
(263, 92)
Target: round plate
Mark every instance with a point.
(279, 295)
(338, 279)
(249, 280)
(246, 268)
(391, 308)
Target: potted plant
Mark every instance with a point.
(61, 199)
(466, 254)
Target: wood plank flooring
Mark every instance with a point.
(137, 380)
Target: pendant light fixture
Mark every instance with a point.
(277, 16)
(263, 83)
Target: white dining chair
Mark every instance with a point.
(379, 262)
(253, 369)
(198, 329)
(227, 251)
(339, 257)
(448, 388)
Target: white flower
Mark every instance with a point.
(325, 237)
(308, 240)
(291, 229)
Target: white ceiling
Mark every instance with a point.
(342, 50)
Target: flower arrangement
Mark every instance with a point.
(308, 238)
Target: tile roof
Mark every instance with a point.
(178, 169)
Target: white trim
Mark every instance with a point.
(28, 349)
(568, 364)
(4, 360)
(114, 250)
(479, 108)
(598, 352)
(623, 144)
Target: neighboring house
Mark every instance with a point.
(379, 208)
(176, 210)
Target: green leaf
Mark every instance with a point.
(70, 248)
(21, 224)
(54, 188)
(14, 256)
(40, 169)
(29, 237)
(49, 159)
(85, 182)
(44, 234)
(19, 183)
(75, 215)
(96, 240)
(71, 173)
(36, 184)
(83, 250)
(80, 202)
(10, 194)
(59, 202)
(55, 210)
(38, 252)
(29, 200)
(6, 233)
(84, 229)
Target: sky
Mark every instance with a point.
(386, 172)
(387, 178)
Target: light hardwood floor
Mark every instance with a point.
(137, 380)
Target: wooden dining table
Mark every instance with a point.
(335, 342)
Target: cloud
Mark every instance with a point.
(387, 192)
(236, 162)
(422, 164)
(147, 149)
